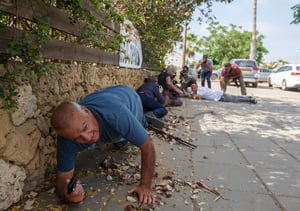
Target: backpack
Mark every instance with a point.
(161, 78)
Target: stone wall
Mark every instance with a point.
(27, 143)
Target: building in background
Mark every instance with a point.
(175, 58)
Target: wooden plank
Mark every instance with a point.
(7, 35)
(57, 49)
(101, 16)
(57, 17)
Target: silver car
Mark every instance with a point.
(263, 74)
(216, 74)
(249, 69)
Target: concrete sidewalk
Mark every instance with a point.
(249, 154)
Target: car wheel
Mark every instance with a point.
(255, 85)
(283, 85)
(214, 77)
(269, 82)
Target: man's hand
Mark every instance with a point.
(77, 195)
(144, 193)
(161, 89)
(63, 180)
(147, 169)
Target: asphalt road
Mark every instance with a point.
(264, 91)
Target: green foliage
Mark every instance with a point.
(296, 9)
(92, 24)
(160, 23)
(225, 43)
(26, 50)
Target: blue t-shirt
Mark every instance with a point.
(119, 113)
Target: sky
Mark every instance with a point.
(282, 39)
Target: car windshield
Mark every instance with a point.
(246, 63)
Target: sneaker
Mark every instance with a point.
(121, 144)
(154, 121)
(253, 101)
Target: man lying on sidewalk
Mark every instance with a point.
(217, 95)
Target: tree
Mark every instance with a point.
(253, 41)
(191, 45)
(225, 43)
(160, 23)
(296, 9)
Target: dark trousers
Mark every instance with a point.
(235, 99)
(150, 104)
(173, 100)
(185, 84)
(206, 76)
(242, 84)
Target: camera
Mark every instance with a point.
(204, 62)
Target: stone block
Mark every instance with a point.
(12, 182)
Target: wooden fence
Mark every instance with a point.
(59, 20)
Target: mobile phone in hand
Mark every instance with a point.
(72, 185)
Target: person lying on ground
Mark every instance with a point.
(109, 115)
(217, 95)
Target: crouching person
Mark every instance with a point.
(109, 115)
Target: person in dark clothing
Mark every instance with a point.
(185, 79)
(171, 91)
(151, 97)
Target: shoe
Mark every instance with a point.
(121, 144)
(154, 121)
(253, 101)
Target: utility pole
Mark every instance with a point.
(253, 41)
(184, 43)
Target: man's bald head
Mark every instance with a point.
(63, 115)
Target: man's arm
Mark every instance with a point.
(148, 161)
(62, 181)
(174, 87)
(198, 65)
(160, 98)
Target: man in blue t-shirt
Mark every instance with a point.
(108, 115)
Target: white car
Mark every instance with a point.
(286, 77)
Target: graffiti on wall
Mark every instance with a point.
(131, 49)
